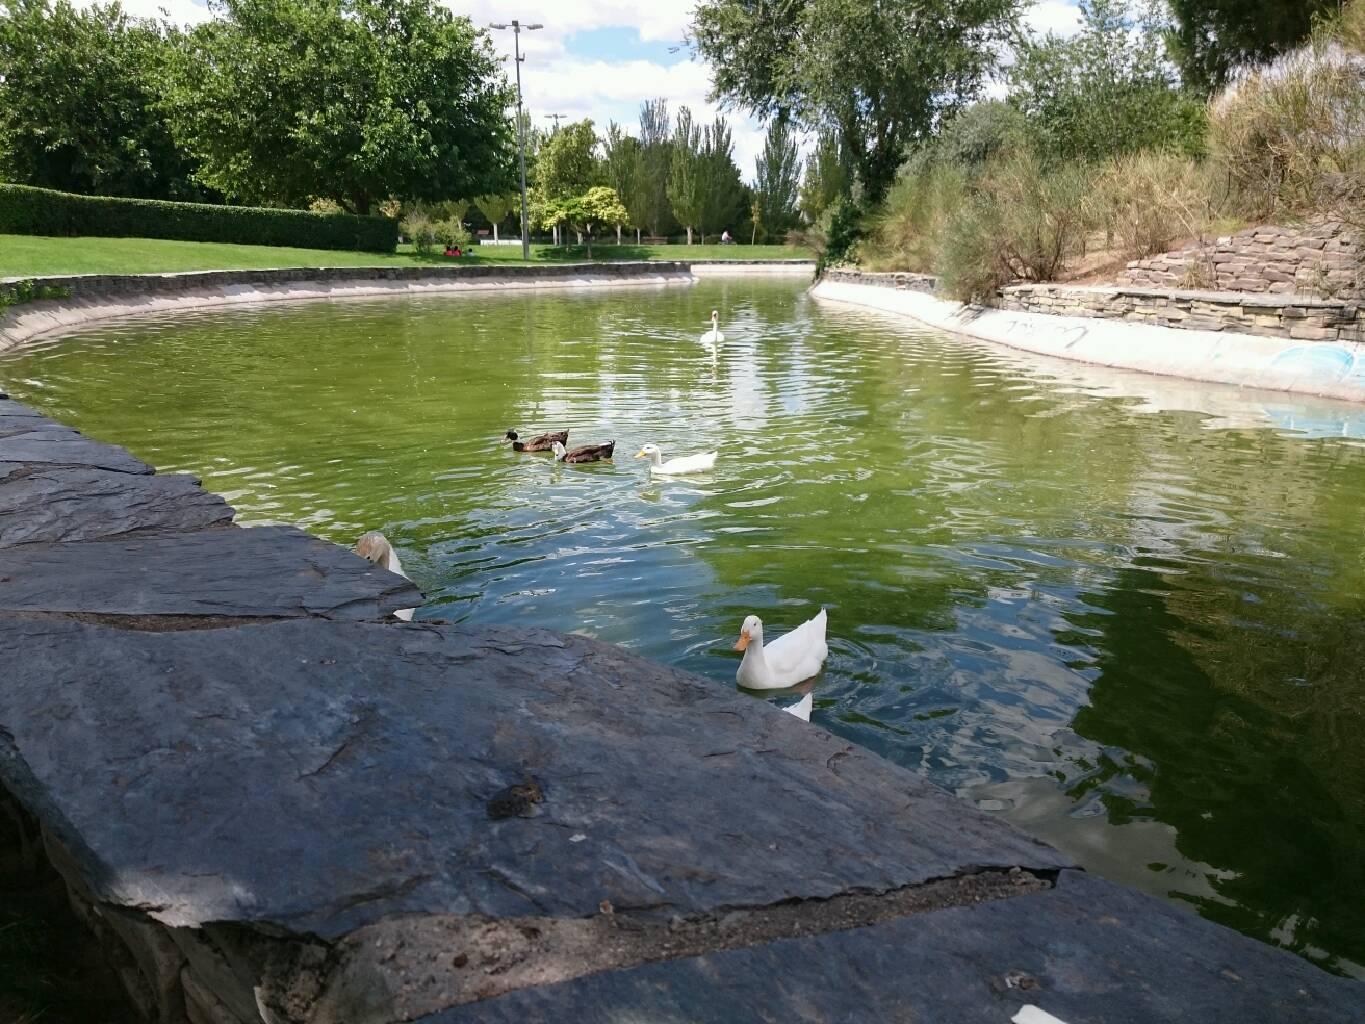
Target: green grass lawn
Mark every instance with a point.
(30, 256)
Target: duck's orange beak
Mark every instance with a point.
(743, 641)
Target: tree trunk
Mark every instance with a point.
(637, 236)
(689, 234)
(580, 237)
(495, 231)
(618, 234)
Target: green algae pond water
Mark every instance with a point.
(1126, 613)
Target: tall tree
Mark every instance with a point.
(566, 165)
(652, 206)
(349, 100)
(686, 173)
(879, 74)
(777, 185)
(621, 167)
(722, 190)
(1106, 90)
(826, 177)
(78, 103)
(595, 208)
(1212, 37)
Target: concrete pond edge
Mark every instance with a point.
(1323, 368)
(91, 298)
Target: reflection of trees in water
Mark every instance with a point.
(1261, 777)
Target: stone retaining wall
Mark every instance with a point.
(1258, 313)
(1271, 316)
(1325, 260)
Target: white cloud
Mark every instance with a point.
(1059, 16)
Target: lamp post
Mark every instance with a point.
(516, 28)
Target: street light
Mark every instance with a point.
(516, 28)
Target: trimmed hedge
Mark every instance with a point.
(39, 211)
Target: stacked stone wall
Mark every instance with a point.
(1323, 260)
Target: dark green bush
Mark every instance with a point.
(40, 211)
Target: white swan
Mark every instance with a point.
(376, 547)
(786, 661)
(803, 707)
(686, 464)
(713, 336)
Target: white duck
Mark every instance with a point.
(713, 336)
(673, 467)
(786, 661)
(376, 547)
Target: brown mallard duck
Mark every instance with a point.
(583, 453)
(537, 444)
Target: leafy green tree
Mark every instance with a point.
(497, 206)
(778, 183)
(78, 103)
(351, 100)
(1211, 38)
(881, 75)
(1106, 90)
(826, 177)
(687, 173)
(566, 165)
(622, 167)
(598, 206)
(649, 202)
(723, 196)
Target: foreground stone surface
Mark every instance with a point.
(266, 572)
(48, 504)
(323, 776)
(1087, 952)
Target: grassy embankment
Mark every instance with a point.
(28, 256)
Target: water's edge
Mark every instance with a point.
(1335, 370)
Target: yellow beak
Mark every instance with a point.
(743, 641)
(639, 455)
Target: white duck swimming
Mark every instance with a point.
(376, 547)
(713, 336)
(786, 661)
(673, 467)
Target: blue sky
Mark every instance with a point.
(602, 58)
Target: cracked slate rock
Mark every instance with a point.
(45, 504)
(1088, 952)
(50, 446)
(268, 571)
(321, 776)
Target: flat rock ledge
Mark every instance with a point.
(273, 803)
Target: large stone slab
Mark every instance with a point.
(9, 407)
(266, 572)
(45, 504)
(322, 776)
(1088, 952)
(60, 447)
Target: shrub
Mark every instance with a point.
(451, 231)
(1147, 201)
(40, 211)
(838, 232)
(1022, 223)
(1287, 135)
(969, 266)
(910, 229)
(419, 229)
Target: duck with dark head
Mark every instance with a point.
(541, 443)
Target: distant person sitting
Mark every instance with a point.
(725, 238)
(453, 250)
